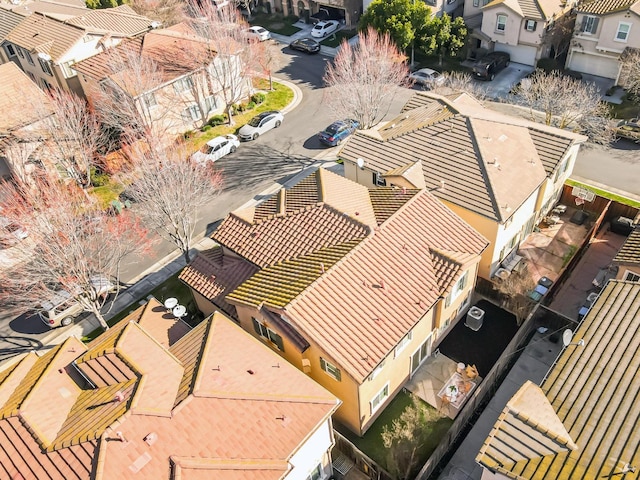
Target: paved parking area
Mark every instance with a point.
(499, 88)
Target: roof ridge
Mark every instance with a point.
(555, 436)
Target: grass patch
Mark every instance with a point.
(371, 442)
(172, 287)
(107, 193)
(605, 194)
(336, 39)
(276, 23)
(629, 108)
(277, 99)
(569, 255)
(433, 61)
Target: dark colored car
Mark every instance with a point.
(335, 133)
(622, 225)
(307, 45)
(629, 129)
(487, 67)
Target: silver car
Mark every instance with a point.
(260, 124)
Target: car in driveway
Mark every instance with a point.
(488, 66)
(337, 132)
(322, 29)
(260, 124)
(216, 148)
(629, 129)
(258, 33)
(426, 77)
(306, 45)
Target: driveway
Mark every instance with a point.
(499, 88)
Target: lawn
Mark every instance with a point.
(336, 39)
(433, 61)
(627, 109)
(371, 442)
(276, 23)
(605, 194)
(172, 287)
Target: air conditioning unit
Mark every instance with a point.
(475, 317)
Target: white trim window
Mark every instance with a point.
(265, 332)
(67, 70)
(10, 49)
(530, 25)
(623, 32)
(331, 369)
(379, 180)
(377, 401)
(183, 84)
(403, 343)
(377, 370)
(501, 23)
(316, 473)
(210, 104)
(19, 52)
(46, 68)
(589, 25)
(150, 100)
(631, 277)
(29, 58)
(191, 113)
(457, 289)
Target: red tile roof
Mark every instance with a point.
(243, 412)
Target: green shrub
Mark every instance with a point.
(204, 128)
(239, 107)
(188, 134)
(217, 120)
(547, 64)
(98, 178)
(251, 105)
(258, 98)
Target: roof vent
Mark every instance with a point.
(156, 24)
(250, 372)
(119, 396)
(121, 436)
(151, 438)
(503, 137)
(442, 184)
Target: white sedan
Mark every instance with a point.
(322, 29)
(216, 149)
(427, 77)
(258, 33)
(260, 124)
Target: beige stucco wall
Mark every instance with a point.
(511, 33)
(623, 269)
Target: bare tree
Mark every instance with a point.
(363, 79)
(558, 36)
(459, 82)
(406, 437)
(20, 150)
(169, 192)
(567, 103)
(71, 244)
(515, 291)
(167, 12)
(630, 71)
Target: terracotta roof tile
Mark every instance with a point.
(214, 275)
(604, 7)
(189, 350)
(387, 200)
(629, 254)
(13, 376)
(162, 326)
(122, 20)
(8, 21)
(249, 469)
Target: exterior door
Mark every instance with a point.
(421, 354)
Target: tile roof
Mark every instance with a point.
(242, 414)
(121, 20)
(629, 254)
(593, 390)
(604, 7)
(536, 9)
(214, 275)
(480, 154)
(17, 92)
(8, 21)
(54, 9)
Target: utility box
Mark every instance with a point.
(475, 318)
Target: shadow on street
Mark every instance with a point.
(30, 324)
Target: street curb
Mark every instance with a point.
(297, 94)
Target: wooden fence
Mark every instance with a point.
(362, 462)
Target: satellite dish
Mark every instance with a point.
(179, 311)
(360, 162)
(171, 302)
(567, 336)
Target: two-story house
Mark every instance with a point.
(168, 76)
(152, 398)
(46, 47)
(604, 29)
(580, 421)
(353, 285)
(501, 174)
(526, 29)
(8, 21)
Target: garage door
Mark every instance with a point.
(602, 67)
(519, 53)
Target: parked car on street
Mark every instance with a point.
(322, 29)
(306, 45)
(629, 129)
(216, 148)
(258, 33)
(338, 131)
(487, 67)
(426, 77)
(260, 124)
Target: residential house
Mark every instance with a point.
(47, 47)
(580, 421)
(501, 174)
(151, 398)
(526, 29)
(169, 77)
(21, 125)
(604, 30)
(628, 258)
(8, 21)
(355, 286)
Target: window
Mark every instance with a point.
(589, 25)
(32, 77)
(530, 25)
(19, 52)
(378, 400)
(623, 32)
(150, 100)
(191, 113)
(29, 58)
(10, 50)
(501, 23)
(330, 369)
(183, 84)
(457, 289)
(45, 84)
(67, 70)
(210, 104)
(265, 332)
(316, 473)
(377, 370)
(403, 343)
(508, 221)
(631, 277)
(379, 180)
(476, 3)
(46, 68)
